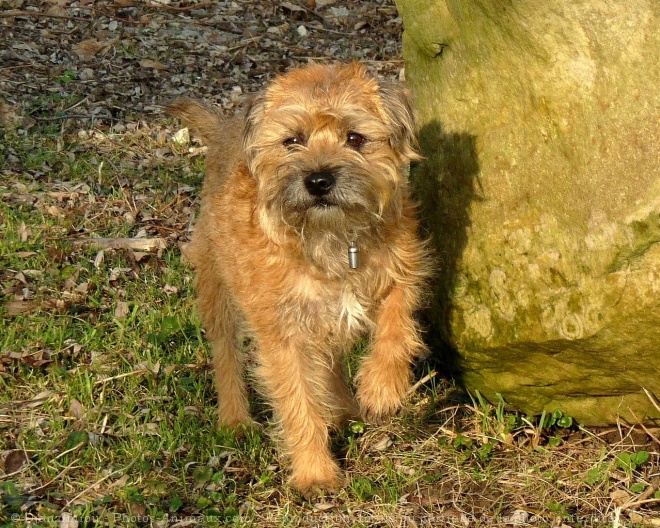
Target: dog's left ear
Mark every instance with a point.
(254, 113)
(397, 105)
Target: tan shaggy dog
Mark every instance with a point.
(307, 241)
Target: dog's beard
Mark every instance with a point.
(353, 205)
(363, 198)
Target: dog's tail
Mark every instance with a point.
(204, 120)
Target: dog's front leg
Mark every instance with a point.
(385, 374)
(221, 324)
(293, 381)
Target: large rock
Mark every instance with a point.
(541, 187)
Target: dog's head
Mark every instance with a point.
(328, 146)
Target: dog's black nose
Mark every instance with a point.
(319, 183)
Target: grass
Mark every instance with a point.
(107, 401)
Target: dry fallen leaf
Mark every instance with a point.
(77, 409)
(170, 290)
(137, 256)
(383, 443)
(40, 398)
(15, 460)
(9, 115)
(68, 521)
(88, 49)
(121, 310)
(619, 496)
(56, 11)
(37, 359)
(181, 137)
(149, 63)
(13, 308)
(324, 506)
(55, 211)
(120, 482)
(644, 520)
(292, 7)
(98, 260)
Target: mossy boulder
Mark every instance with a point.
(540, 125)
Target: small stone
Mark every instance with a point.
(87, 74)
(518, 517)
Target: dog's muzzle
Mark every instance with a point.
(320, 183)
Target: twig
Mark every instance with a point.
(333, 31)
(69, 450)
(643, 520)
(119, 376)
(312, 13)
(60, 474)
(138, 244)
(650, 397)
(651, 435)
(641, 424)
(62, 117)
(245, 43)
(76, 104)
(30, 14)
(21, 66)
(86, 490)
(641, 498)
(640, 503)
(421, 382)
(158, 5)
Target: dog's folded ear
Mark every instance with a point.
(254, 112)
(398, 107)
(203, 119)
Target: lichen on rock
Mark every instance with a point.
(540, 189)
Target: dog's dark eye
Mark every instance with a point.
(355, 140)
(290, 142)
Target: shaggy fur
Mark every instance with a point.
(270, 254)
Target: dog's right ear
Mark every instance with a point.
(254, 113)
(205, 120)
(398, 107)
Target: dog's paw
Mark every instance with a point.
(380, 393)
(235, 415)
(312, 487)
(379, 402)
(241, 428)
(379, 410)
(316, 476)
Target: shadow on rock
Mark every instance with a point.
(445, 183)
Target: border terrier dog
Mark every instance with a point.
(307, 241)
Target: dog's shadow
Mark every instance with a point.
(445, 183)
